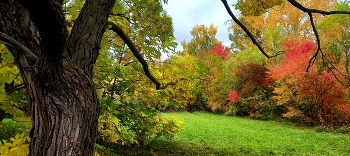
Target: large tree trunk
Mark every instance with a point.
(57, 71)
(64, 114)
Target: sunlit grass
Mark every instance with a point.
(212, 134)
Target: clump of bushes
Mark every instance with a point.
(133, 124)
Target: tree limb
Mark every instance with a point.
(245, 29)
(88, 29)
(313, 59)
(136, 53)
(304, 9)
(138, 56)
(9, 41)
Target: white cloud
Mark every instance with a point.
(188, 13)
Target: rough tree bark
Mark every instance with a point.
(57, 70)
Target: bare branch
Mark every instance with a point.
(245, 29)
(9, 41)
(304, 9)
(138, 56)
(136, 53)
(313, 59)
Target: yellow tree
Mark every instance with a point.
(213, 82)
(294, 21)
(181, 74)
(203, 39)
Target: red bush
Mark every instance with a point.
(233, 96)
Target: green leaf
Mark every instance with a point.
(2, 97)
(17, 96)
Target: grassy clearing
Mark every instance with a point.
(212, 134)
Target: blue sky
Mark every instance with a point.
(188, 13)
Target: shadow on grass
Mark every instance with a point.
(170, 147)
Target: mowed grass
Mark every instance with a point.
(213, 134)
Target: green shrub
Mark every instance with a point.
(260, 105)
(239, 108)
(132, 123)
(9, 128)
(14, 138)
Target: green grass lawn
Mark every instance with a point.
(212, 134)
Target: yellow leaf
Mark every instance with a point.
(96, 153)
(13, 139)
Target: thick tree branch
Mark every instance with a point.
(88, 30)
(139, 57)
(136, 53)
(304, 9)
(9, 41)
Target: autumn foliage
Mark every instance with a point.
(220, 50)
(328, 98)
(314, 96)
(252, 77)
(254, 89)
(233, 96)
(296, 59)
